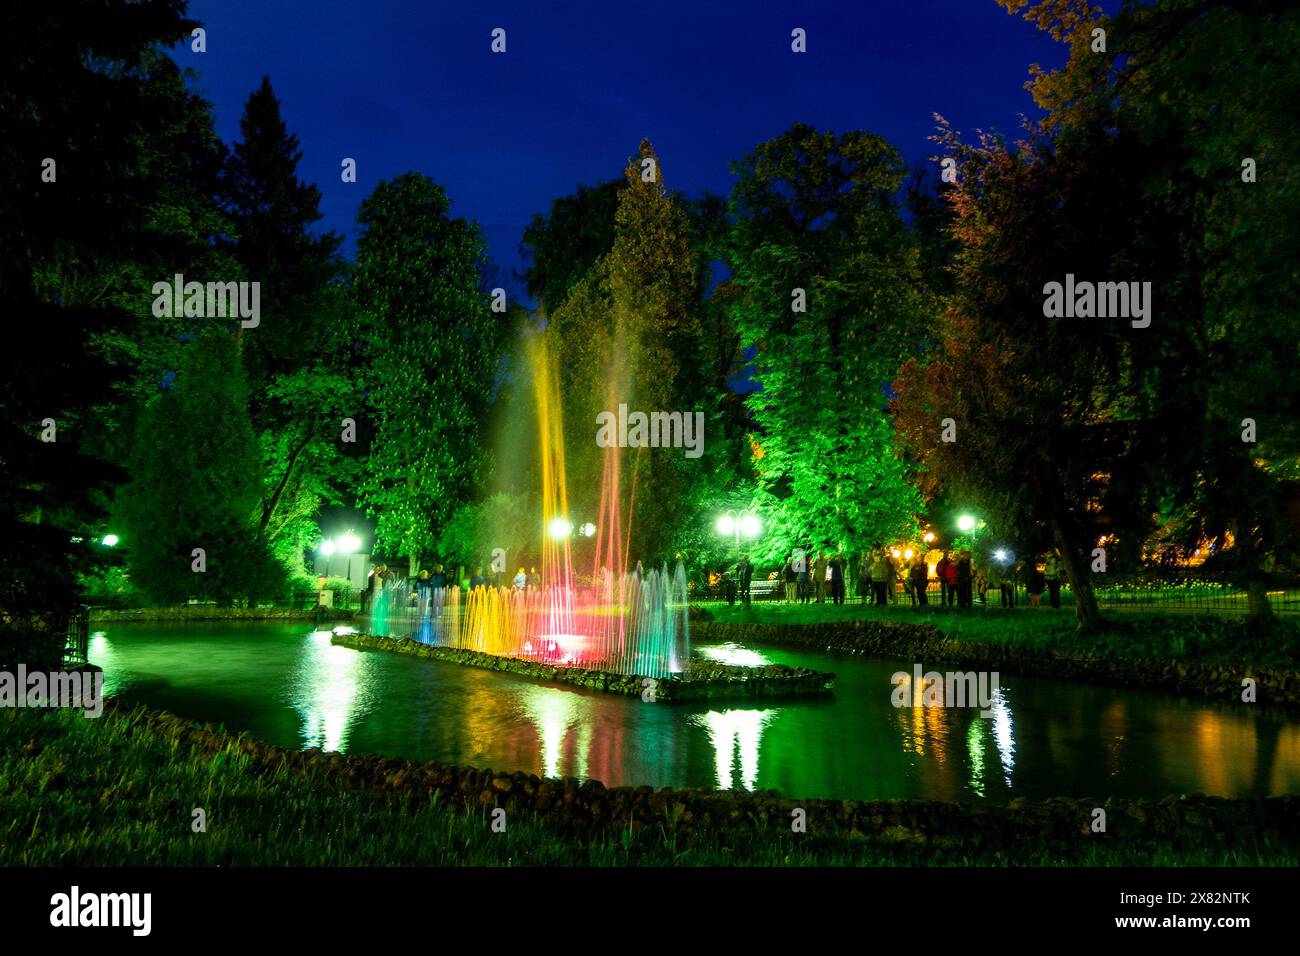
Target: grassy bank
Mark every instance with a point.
(1208, 639)
(114, 792)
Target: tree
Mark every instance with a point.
(1214, 237)
(828, 294)
(562, 245)
(301, 382)
(432, 351)
(80, 86)
(195, 484)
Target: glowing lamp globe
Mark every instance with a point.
(559, 528)
(327, 547)
(966, 523)
(750, 526)
(726, 525)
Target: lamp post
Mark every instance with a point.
(736, 523)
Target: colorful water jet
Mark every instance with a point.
(627, 621)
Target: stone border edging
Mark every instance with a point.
(1056, 823)
(926, 643)
(709, 681)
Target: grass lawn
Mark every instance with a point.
(78, 792)
(1206, 638)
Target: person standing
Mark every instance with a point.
(1052, 575)
(791, 580)
(1036, 585)
(864, 575)
(819, 576)
(745, 572)
(836, 570)
(964, 579)
(804, 582)
(881, 576)
(920, 580)
(941, 572)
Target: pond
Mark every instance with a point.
(289, 686)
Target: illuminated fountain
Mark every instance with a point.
(619, 620)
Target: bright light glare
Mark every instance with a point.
(559, 528)
(909, 554)
(896, 553)
(587, 530)
(750, 526)
(966, 523)
(929, 536)
(726, 525)
(348, 543)
(327, 547)
(1000, 554)
(110, 540)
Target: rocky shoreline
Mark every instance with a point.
(581, 807)
(924, 642)
(706, 681)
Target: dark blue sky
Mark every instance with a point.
(413, 85)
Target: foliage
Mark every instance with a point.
(194, 485)
(430, 347)
(817, 212)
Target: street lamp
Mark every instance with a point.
(560, 528)
(109, 540)
(327, 547)
(587, 530)
(348, 543)
(966, 523)
(736, 523)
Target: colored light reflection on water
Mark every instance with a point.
(1044, 738)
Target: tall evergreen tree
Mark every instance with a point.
(195, 484)
(298, 359)
(78, 86)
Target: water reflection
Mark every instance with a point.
(325, 691)
(1043, 738)
(735, 736)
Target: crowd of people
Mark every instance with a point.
(884, 576)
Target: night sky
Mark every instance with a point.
(414, 86)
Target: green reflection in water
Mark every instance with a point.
(325, 690)
(735, 736)
(975, 747)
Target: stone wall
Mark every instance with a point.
(926, 644)
(706, 680)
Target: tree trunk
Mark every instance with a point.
(1257, 600)
(414, 565)
(1086, 611)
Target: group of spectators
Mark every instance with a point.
(885, 577)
